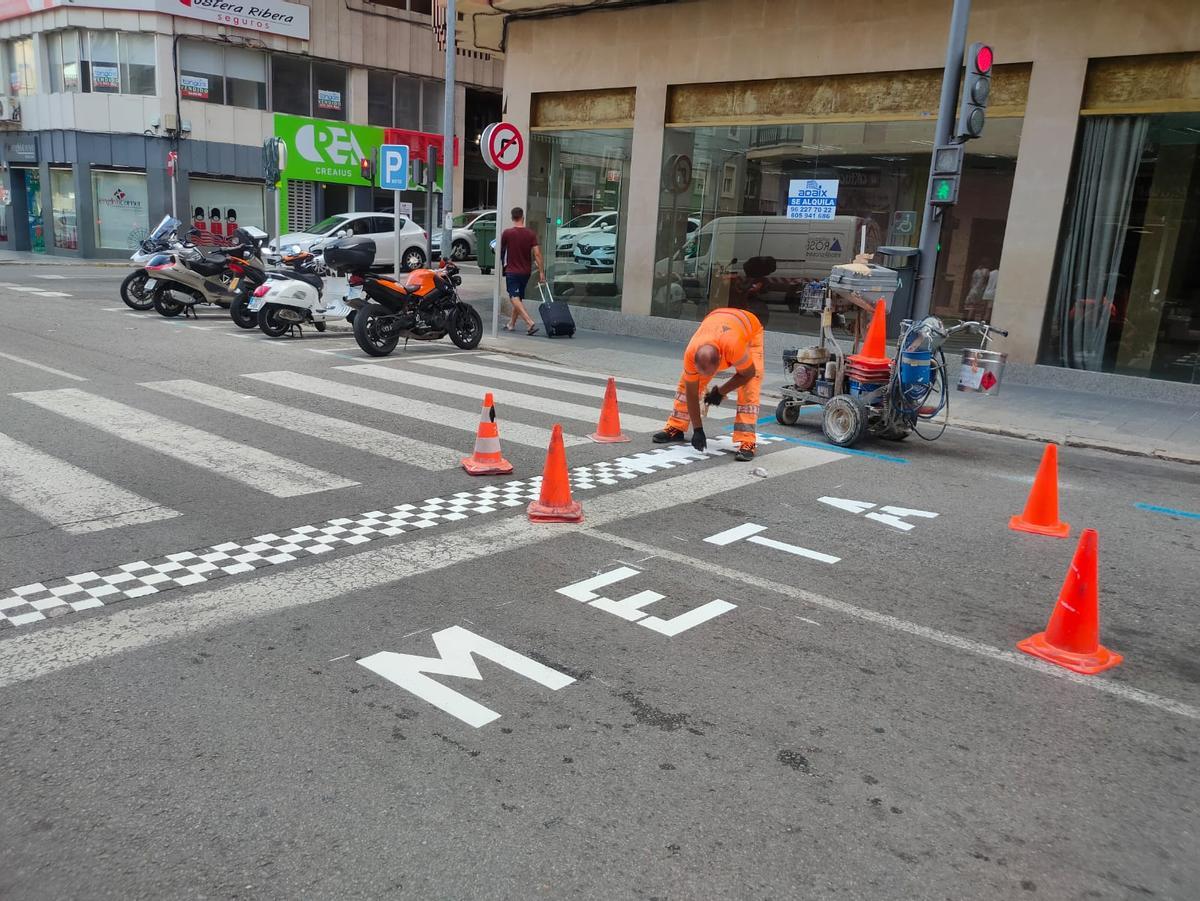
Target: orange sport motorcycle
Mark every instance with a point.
(424, 306)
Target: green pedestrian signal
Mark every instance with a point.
(558, 221)
(944, 190)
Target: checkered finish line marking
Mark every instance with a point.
(84, 591)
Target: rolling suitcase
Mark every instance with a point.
(556, 314)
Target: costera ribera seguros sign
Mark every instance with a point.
(276, 17)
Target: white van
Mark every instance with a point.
(803, 251)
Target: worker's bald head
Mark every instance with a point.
(708, 360)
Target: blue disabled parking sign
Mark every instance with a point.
(393, 167)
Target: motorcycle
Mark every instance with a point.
(426, 307)
(288, 300)
(138, 287)
(190, 276)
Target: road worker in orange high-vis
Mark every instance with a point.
(727, 338)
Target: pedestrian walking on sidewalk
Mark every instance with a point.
(726, 338)
(519, 250)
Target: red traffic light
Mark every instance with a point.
(983, 60)
(366, 168)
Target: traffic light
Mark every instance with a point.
(943, 176)
(977, 87)
(366, 168)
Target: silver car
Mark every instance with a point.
(463, 246)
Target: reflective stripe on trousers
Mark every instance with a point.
(746, 417)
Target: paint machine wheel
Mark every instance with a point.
(787, 414)
(844, 420)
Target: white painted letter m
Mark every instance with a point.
(455, 647)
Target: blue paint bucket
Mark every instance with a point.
(916, 367)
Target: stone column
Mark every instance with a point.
(641, 219)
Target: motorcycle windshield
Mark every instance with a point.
(159, 261)
(166, 227)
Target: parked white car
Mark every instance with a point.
(464, 236)
(597, 251)
(567, 236)
(376, 226)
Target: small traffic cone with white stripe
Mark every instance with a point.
(487, 459)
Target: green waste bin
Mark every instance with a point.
(485, 233)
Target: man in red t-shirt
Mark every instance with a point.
(519, 250)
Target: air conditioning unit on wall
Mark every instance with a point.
(10, 110)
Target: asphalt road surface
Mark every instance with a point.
(261, 637)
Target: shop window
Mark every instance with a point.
(290, 85)
(121, 206)
(734, 207)
(1126, 293)
(379, 99)
(213, 73)
(237, 204)
(62, 203)
(578, 197)
(329, 91)
(22, 73)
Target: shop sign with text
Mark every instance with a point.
(320, 150)
(264, 16)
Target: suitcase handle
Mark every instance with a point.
(544, 292)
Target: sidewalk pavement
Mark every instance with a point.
(1143, 428)
(28, 258)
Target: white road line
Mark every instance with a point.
(624, 395)
(503, 396)
(327, 428)
(445, 417)
(69, 497)
(28, 656)
(258, 469)
(565, 370)
(44, 368)
(52, 277)
(895, 623)
(114, 309)
(204, 328)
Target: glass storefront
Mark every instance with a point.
(1126, 294)
(578, 198)
(726, 236)
(224, 205)
(62, 200)
(122, 217)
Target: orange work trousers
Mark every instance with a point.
(745, 421)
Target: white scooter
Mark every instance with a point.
(137, 290)
(288, 300)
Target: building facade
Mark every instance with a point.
(100, 92)
(690, 124)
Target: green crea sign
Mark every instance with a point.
(320, 150)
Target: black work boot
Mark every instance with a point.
(745, 453)
(668, 436)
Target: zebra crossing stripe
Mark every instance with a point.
(565, 370)
(326, 428)
(446, 417)
(255, 468)
(504, 397)
(38, 601)
(653, 401)
(69, 497)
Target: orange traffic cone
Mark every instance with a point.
(487, 461)
(1072, 637)
(1041, 510)
(555, 504)
(609, 429)
(875, 344)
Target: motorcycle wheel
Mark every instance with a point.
(165, 302)
(466, 327)
(269, 322)
(366, 331)
(133, 290)
(241, 314)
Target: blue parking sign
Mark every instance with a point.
(393, 167)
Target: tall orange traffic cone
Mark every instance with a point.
(487, 460)
(555, 503)
(609, 429)
(1072, 637)
(875, 344)
(1041, 510)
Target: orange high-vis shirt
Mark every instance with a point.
(730, 331)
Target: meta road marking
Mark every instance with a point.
(455, 647)
(631, 609)
(749, 532)
(889, 516)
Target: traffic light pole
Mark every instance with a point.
(448, 132)
(931, 227)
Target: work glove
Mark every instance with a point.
(713, 396)
(699, 442)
